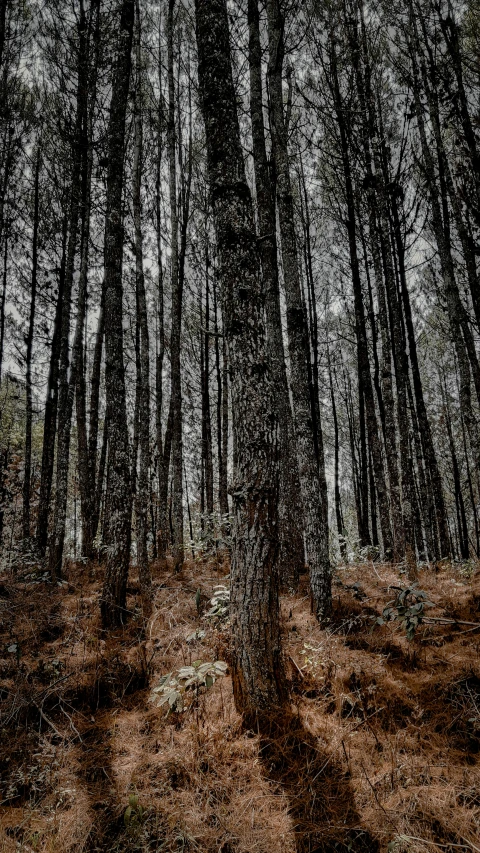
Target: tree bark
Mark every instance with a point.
(28, 359)
(313, 493)
(142, 491)
(176, 382)
(291, 557)
(119, 497)
(258, 675)
(51, 406)
(66, 382)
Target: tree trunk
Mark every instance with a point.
(363, 363)
(51, 405)
(440, 229)
(258, 675)
(338, 503)
(163, 449)
(221, 451)
(66, 382)
(291, 557)
(313, 493)
(142, 492)
(176, 382)
(87, 443)
(28, 359)
(119, 497)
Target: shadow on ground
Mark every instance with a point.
(320, 797)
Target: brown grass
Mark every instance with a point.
(380, 750)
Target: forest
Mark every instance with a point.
(239, 426)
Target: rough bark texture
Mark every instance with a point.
(291, 558)
(258, 674)
(176, 386)
(51, 405)
(66, 380)
(142, 492)
(119, 498)
(28, 358)
(313, 494)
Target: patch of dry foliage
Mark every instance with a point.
(380, 751)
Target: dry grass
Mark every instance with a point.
(379, 752)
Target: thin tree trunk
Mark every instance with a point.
(436, 502)
(142, 492)
(3, 300)
(163, 449)
(176, 386)
(336, 440)
(28, 359)
(51, 405)
(459, 502)
(222, 480)
(313, 491)
(206, 410)
(454, 307)
(66, 382)
(87, 444)
(364, 375)
(291, 558)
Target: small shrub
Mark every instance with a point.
(408, 608)
(175, 687)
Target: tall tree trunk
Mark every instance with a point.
(435, 510)
(66, 382)
(206, 410)
(314, 495)
(258, 675)
(3, 300)
(87, 443)
(291, 558)
(142, 492)
(460, 103)
(459, 502)
(176, 382)
(28, 359)
(163, 448)
(223, 473)
(440, 229)
(222, 479)
(51, 405)
(378, 231)
(119, 497)
(338, 503)
(363, 363)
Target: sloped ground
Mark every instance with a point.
(381, 751)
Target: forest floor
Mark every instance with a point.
(382, 753)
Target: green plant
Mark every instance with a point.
(408, 607)
(134, 814)
(175, 687)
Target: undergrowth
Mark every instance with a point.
(379, 751)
